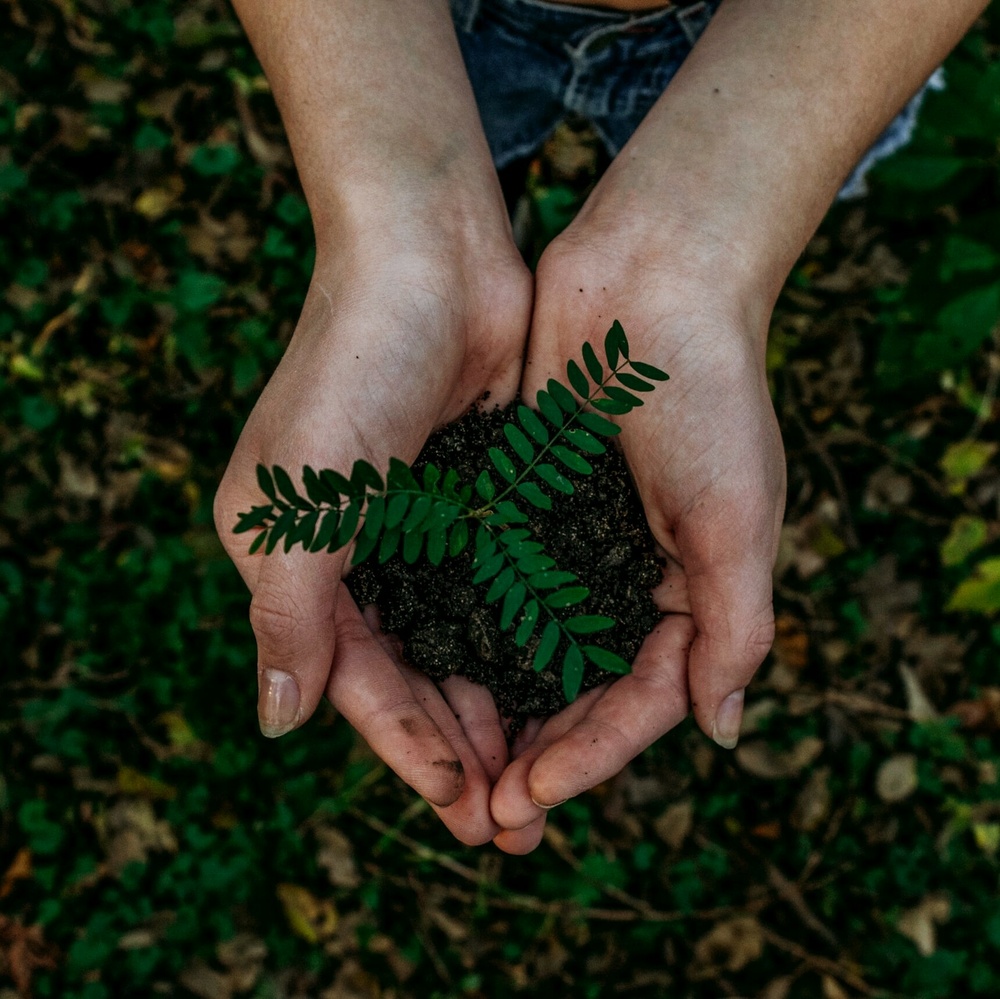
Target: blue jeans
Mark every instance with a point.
(533, 63)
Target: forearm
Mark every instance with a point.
(740, 158)
(380, 116)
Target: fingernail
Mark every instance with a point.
(555, 804)
(277, 703)
(726, 727)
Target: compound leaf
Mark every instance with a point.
(648, 371)
(546, 580)
(622, 395)
(500, 585)
(459, 538)
(503, 464)
(573, 461)
(578, 379)
(389, 544)
(364, 476)
(534, 495)
(532, 424)
(611, 406)
(551, 475)
(279, 529)
(328, 525)
(509, 514)
(562, 396)
(396, 510)
(316, 490)
(365, 544)
(546, 647)
(335, 482)
(512, 603)
(630, 381)
(521, 445)
(594, 366)
(572, 672)
(567, 597)
(287, 490)
(265, 482)
(302, 532)
(412, 544)
(606, 660)
(489, 569)
(587, 624)
(374, 516)
(255, 518)
(620, 340)
(437, 540)
(584, 441)
(549, 408)
(414, 522)
(514, 535)
(527, 625)
(348, 524)
(485, 487)
(400, 476)
(598, 424)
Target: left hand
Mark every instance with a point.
(706, 456)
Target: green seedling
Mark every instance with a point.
(437, 516)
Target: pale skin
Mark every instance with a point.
(419, 303)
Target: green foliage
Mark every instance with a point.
(436, 516)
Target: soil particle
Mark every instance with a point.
(441, 617)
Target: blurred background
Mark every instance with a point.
(154, 250)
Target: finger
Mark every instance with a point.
(476, 712)
(369, 691)
(468, 817)
(729, 589)
(631, 715)
(511, 803)
(518, 842)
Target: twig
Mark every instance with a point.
(821, 964)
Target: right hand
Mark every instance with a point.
(389, 346)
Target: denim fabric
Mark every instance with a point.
(533, 63)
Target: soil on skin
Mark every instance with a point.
(442, 618)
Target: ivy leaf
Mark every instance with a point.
(594, 366)
(573, 461)
(532, 424)
(567, 597)
(512, 603)
(255, 518)
(546, 647)
(459, 538)
(550, 474)
(562, 396)
(527, 625)
(485, 487)
(587, 624)
(598, 425)
(503, 464)
(266, 483)
(534, 495)
(521, 445)
(606, 660)
(572, 676)
(630, 381)
(577, 379)
(549, 408)
(500, 585)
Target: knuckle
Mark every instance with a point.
(277, 618)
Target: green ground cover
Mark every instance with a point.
(154, 251)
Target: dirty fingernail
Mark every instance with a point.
(726, 728)
(277, 703)
(555, 804)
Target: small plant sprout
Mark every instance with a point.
(437, 516)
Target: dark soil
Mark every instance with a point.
(441, 617)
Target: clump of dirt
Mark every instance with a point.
(442, 618)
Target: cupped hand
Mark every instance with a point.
(706, 456)
(389, 346)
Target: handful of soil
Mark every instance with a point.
(442, 618)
